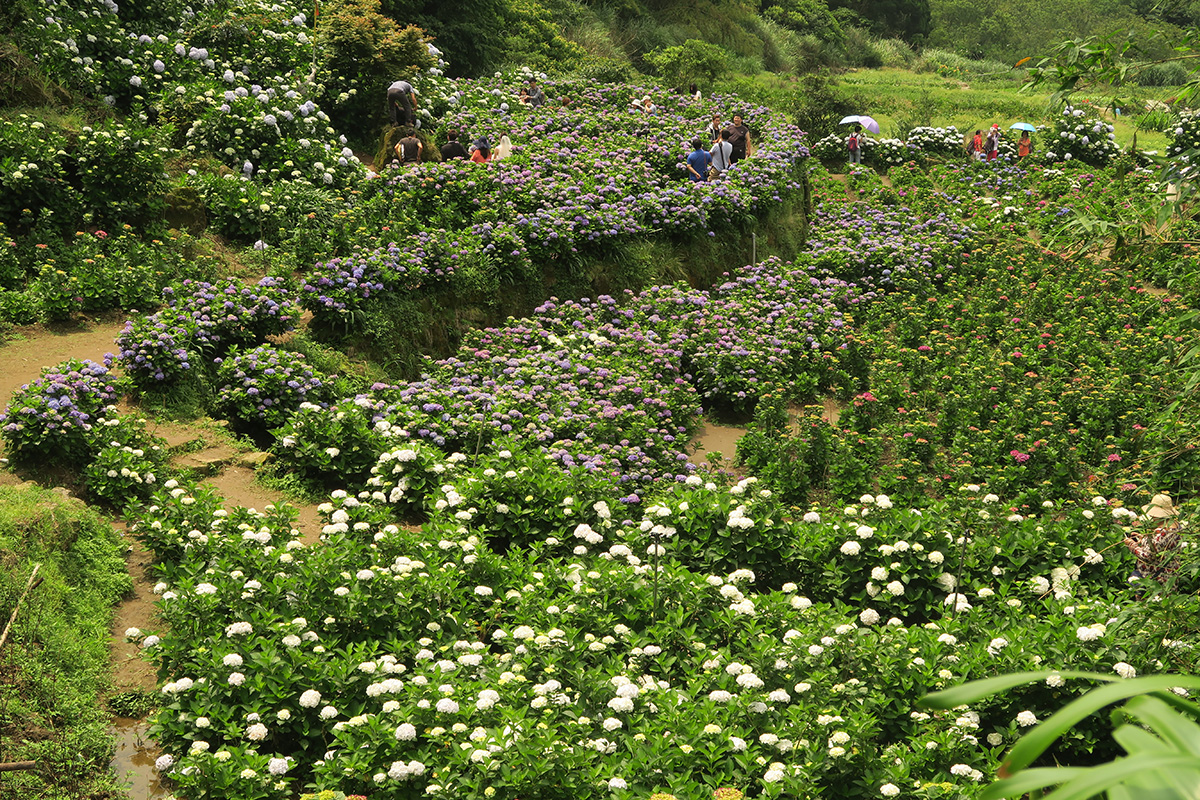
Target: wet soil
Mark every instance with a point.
(130, 672)
(134, 759)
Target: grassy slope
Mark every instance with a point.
(55, 664)
(900, 98)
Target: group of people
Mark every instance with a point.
(402, 104)
(987, 148)
(983, 148)
(532, 95)
(410, 149)
(728, 144)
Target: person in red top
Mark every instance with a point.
(483, 151)
(975, 148)
(992, 145)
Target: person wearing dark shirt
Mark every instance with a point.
(536, 97)
(698, 162)
(453, 148)
(409, 148)
(738, 135)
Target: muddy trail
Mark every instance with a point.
(204, 450)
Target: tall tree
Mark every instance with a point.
(907, 19)
(469, 32)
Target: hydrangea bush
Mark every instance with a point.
(55, 417)
(568, 661)
(203, 320)
(264, 385)
(1090, 140)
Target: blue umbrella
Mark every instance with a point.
(1022, 126)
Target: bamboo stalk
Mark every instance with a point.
(12, 618)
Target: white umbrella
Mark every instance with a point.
(867, 122)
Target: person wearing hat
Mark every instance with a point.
(993, 142)
(647, 105)
(1157, 550)
(481, 150)
(401, 104)
(1159, 507)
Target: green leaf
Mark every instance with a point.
(1182, 734)
(975, 691)
(1098, 779)
(1030, 781)
(1034, 743)
(1136, 741)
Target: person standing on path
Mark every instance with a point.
(976, 146)
(400, 103)
(738, 135)
(453, 148)
(1024, 145)
(722, 153)
(993, 143)
(698, 163)
(854, 145)
(714, 130)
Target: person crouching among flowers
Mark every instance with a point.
(1157, 550)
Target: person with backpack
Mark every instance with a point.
(854, 145)
(975, 147)
(992, 145)
(721, 153)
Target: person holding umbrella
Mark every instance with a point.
(1024, 145)
(853, 145)
(854, 140)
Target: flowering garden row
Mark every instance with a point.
(566, 641)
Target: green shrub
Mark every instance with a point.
(362, 52)
(694, 61)
(606, 70)
(861, 50)
(57, 654)
(56, 418)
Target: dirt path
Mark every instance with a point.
(230, 471)
(23, 357)
(237, 485)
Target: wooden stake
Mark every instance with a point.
(14, 766)
(4, 635)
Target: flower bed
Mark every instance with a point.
(572, 662)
